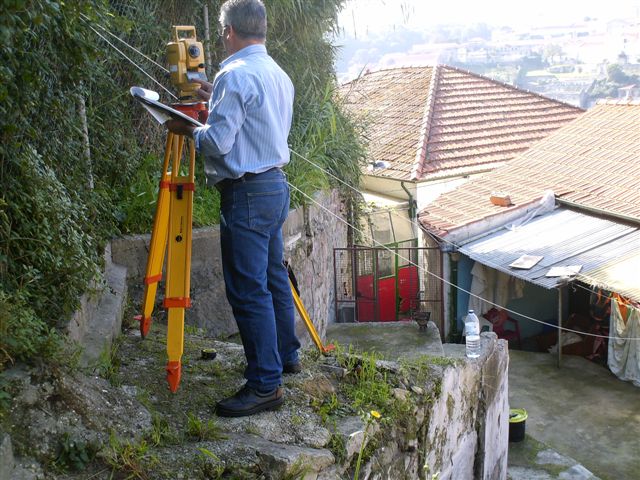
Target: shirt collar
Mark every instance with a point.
(245, 52)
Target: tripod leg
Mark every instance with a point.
(307, 321)
(178, 264)
(158, 243)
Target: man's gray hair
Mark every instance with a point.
(247, 17)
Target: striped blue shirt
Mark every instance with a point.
(250, 114)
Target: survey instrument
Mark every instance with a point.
(185, 56)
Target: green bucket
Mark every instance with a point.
(517, 420)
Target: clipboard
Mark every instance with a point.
(160, 111)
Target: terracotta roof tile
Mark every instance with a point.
(436, 121)
(593, 162)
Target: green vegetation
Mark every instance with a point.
(379, 396)
(367, 387)
(369, 446)
(161, 433)
(108, 364)
(201, 430)
(297, 471)
(73, 455)
(80, 159)
(210, 465)
(129, 458)
(608, 87)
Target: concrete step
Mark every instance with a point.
(99, 319)
(393, 340)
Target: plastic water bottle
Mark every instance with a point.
(472, 335)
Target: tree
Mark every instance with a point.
(553, 53)
(615, 74)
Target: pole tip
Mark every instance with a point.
(174, 370)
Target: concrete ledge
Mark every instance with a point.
(390, 339)
(99, 319)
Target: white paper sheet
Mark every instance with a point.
(159, 111)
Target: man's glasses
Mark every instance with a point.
(221, 29)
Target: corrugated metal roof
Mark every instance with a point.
(620, 275)
(565, 237)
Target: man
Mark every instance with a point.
(244, 145)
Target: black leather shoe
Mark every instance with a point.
(248, 401)
(292, 368)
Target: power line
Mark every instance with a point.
(126, 44)
(132, 62)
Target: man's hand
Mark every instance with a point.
(204, 92)
(179, 127)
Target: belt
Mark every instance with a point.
(222, 184)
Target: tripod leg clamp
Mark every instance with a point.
(177, 302)
(152, 279)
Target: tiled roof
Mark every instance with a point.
(593, 162)
(430, 122)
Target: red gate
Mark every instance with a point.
(382, 284)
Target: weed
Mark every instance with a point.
(337, 446)
(24, 336)
(327, 407)
(108, 364)
(421, 370)
(144, 397)
(5, 395)
(161, 433)
(129, 321)
(192, 330)
(252, 429)
(369, 418)
(210, 465)
(131, 459)
(296, 419)
(201, 431)
(297, 471)
(73, 455)
(428, 474)
(370, 388)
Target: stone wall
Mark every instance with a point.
(98, 319)
(310, 234)
(463, 434)
(469, 431)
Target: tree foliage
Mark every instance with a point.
(608, 87)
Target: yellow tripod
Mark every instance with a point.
(172, 227)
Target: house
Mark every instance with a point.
(573, 203)
(429, 130)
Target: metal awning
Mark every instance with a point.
(608, 252)
(621, 275)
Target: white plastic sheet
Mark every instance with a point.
(624, 353)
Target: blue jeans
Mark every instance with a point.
(252, 211)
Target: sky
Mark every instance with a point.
(369, 16)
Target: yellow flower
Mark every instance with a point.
(375, 414)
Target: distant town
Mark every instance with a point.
(577, 63)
